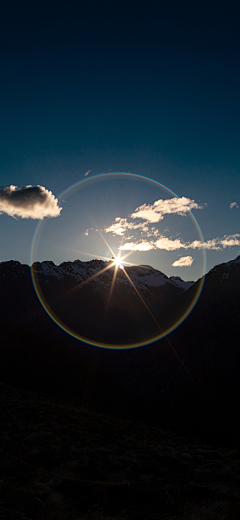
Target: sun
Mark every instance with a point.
(117, 262)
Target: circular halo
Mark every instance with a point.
(102, 201)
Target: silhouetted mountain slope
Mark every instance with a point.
(61, 461)
(33, 362)
(80, 295)
(207, 344)
(155, 379)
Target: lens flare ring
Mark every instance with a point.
(115, 263)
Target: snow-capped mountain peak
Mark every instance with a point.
(143, 277)
(181, 283)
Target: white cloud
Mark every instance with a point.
(152, 232)
(34, 202)
(210, 244)
(152, 213)
(121, 225)
(233, 204)
(169, 244)
(139, 246)
(156, 211)
(148, 237)
(230, 240)
(86, 233)
(118, 228)
(162, 243)
(217, 244)
(184, 261)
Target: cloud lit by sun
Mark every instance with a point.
(146, 237)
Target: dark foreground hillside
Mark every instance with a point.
(61, 461)
(187, 383)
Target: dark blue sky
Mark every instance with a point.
(152, 89)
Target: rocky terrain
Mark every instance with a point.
(61, 461)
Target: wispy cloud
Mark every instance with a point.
(151, 214)
(233, 204)
(121, 225)
(86, 233)
(217, 244)
(148, 237)
(35, 202)
(163, 242)
(170, 244)
(143, 245)
(184, 261)
(156, 211)
(118, 228)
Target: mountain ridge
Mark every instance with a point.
(96, 300)
(205, 345)
(77, 269)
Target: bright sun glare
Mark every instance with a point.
(117, 262)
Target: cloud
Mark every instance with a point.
(144, 245)
(118, 228)
(233, 204)
(152, 213)
(230, 240)
(86, 233)
(34, 202)
(156, 211)
(169, 244)
(121, 225)
(86, 174)
(184, 261)
(217, 244)
(162, 243)
(148, 237)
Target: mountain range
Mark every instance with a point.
(132, 310)
(187, 381)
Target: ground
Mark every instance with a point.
(62, 462)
